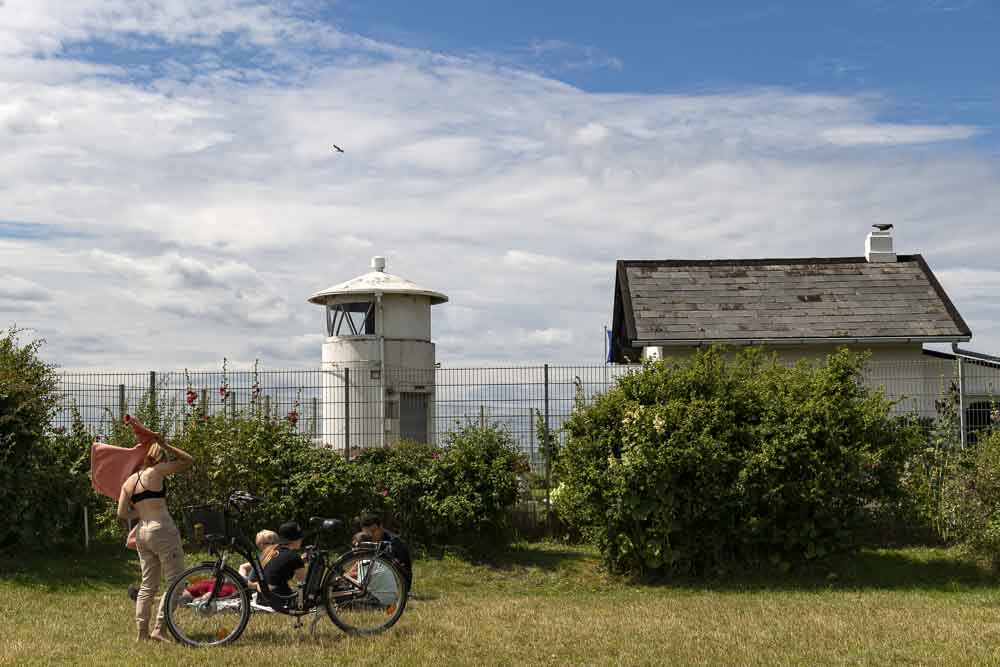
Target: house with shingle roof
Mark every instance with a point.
(882, 302)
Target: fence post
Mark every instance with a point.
(482, 417)
(122, 406)
(961, 402)
(548, 460)
(314, 427)
(232, 405)
(347, 413)
(86, 530)
(204, 402)
(154, 423)
(532, 425)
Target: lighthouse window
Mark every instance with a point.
(351, 319)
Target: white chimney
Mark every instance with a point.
(878, 245)
(378, 262)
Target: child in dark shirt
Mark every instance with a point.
(282, 562)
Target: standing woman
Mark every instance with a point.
(158, 541)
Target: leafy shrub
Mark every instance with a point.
(43, 476)
(461, 494)
(702, 466)
(458, 495)
(976, 490)
(255, 452)
(930, 477)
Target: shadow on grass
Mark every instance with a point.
(916, 569)
(103, 566)
(548, 557)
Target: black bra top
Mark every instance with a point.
(143, 495)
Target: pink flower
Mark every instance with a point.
(223, 392)
(385, 493)
(191, 396)
(436, 455)
(293, 417)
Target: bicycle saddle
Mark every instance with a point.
(325, 524)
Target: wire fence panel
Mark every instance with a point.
(354, 407)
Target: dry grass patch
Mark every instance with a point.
(546, 604)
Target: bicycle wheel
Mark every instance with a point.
(365, 595)
(195, 621)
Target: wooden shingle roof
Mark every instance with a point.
(672, 302)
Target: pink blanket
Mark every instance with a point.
(110, 466)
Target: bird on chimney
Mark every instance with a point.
(883, 227)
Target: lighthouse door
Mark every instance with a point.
(413, 416)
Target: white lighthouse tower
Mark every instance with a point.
(378, 360)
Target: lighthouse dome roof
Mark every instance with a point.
(375, 282)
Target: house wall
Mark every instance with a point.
(908, 376)
(793, 353)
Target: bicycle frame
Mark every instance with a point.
(309, 596)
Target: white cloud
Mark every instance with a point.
(890, 134)
(199, 206)
(570, 56)
(17, 291)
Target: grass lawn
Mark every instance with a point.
(547, 604)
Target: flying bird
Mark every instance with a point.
(883, 227)
(339, 149)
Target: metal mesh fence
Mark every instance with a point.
(351, 408)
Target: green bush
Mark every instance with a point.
(253, 451)
(457, 495)
(43, 473)
(461, 494)
(976, 491)
(931, 476)
(707, 465)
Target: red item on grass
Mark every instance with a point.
(205, 586)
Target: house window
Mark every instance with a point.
(351, 319)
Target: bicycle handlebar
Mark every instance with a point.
(245, 498)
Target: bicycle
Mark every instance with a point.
(362, 590)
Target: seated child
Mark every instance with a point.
(264, 539)
(282, 561)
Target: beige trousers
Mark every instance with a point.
(160, 552)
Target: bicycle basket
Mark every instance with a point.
(205, 522)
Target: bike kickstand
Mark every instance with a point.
(315, 621)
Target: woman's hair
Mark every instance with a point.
(269, 553)
(266, 538)
(155, 454)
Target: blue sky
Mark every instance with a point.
(937, 58)
(172, 157)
